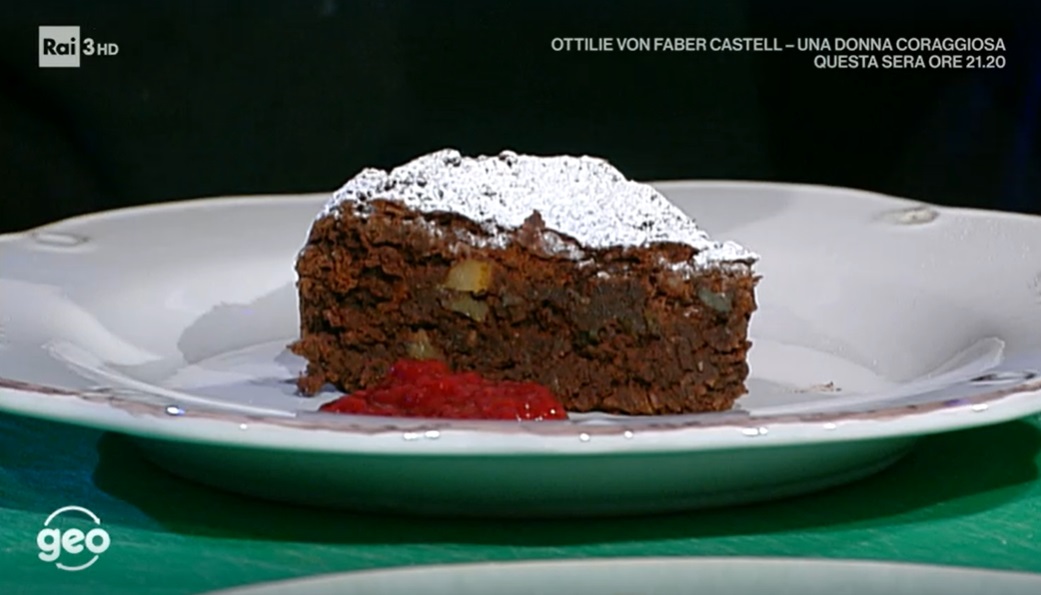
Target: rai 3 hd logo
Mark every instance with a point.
(62, 47)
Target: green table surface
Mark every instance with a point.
(967, 498)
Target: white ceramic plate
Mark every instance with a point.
(880, 321)
(664, 576)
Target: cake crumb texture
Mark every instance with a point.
(620, 331)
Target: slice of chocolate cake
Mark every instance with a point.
(555, 270)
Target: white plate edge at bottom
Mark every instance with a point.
(733, 564)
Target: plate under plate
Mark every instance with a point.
(664, 576)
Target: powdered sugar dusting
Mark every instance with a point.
(584, 198)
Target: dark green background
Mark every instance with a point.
(213, 98)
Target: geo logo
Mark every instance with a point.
(54, 542)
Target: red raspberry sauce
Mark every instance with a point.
(428, 388)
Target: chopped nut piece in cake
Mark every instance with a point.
(473, 276)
